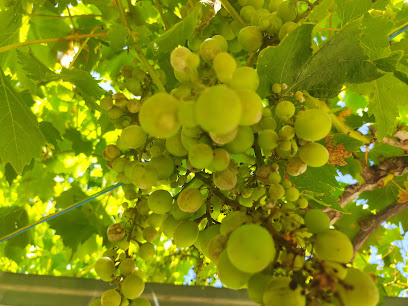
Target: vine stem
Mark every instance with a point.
(139, 51)
(230, 9)
(158, 6)
(51, 40)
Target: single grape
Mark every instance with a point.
(361, 289)
(267, 123)
(150, 234)
(250, 248)
(276, 191)
(218, 109)
(132, 286)
(277, 88)
(225, 180)
(164, 166)
(286, 28)
(312, 124)
(232, 221)
(274, 178)
(284, 109)
(106, 103)
(168, 225)
(287, 11)
(133, 136)
(256, 286)
(275, 24)
(251, 106)
(158, 115)
(234, 46)
(119, 164)
(212, 46)
(245, 78)
(175, 146)
(242, 142)
(221, 159)
(206, 236)
(299, 96)
(134, 86)
(286, 132)
(116, 232)
(143, 175)
(256, 3)
(111, 152)
(274, 4)
(257, 16)
(268, 140)
(316, 221)
(222, 139)
(229, 275)
(247, 12)
(178, 59)
(96, 302)
(215, 247)
(278, 291)
(291, 194)
(190, 199)
(140, 302)
(286, 184)
(146, 251)
(302, 203)
(105, 267)
(333, 245)
(200, 156)
(185, 234)
(250, 38)
(160, 201)
(314, 154)
(111, 298)
(127, 266)
(224, 66)
(180, 215)
(295, 166)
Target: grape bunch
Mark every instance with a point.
(209, 165)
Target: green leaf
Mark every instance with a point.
(348, 222)
(10, 22)
(350, 9)
(78, 144)
(52, 135)
(375, 36)
(390, 62)
(321, 11)
(383, 150)
(118, 36)
(70, 196)
(355, 101)
(10, 173)
(385, 94)
(21, 139)
(36, 70)
(350, 144)
(13, 218)
(340, 60)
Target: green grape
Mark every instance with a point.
(105, 267)
(302, 203)
(225, 180)
(125, 302)
(286, 132)
(291, 194)
(142, 207)
(229, 275)
(264, 21)
(178, 59)
(251, 106)
(111, 253)
(277, 88)
(133, 136)
(190, 199)
(218, 109)
(267, 123)
(284, 109)
(242, 2)
(224, 66)
(256, 287)
(274, 178)
(286, 184)
(119, 164)
(206, 236)
(286, 28)
(168, 226)
(200, 156)
(316, 221)
(250, 248)
(111, 298)
(227, 31)
(155, 220)
(284, 145)
(160, 201)
(333, 245)
(138, 74)
(115, 113)
(164, 166)
(186, 114)
(232, 221)
(116, 232)
(134, 86)
(250, 38)
(295, 166)
(126, 71)
(146, 250)
(299, 96)
(276, 191)
(123, 245)
(175, 146)
(256, 3)
(215, 247)
(221, 159)
(150, 234)
(314, 154)
(132, 286)
(274, 4)
(245, 78)
(256, 17)
(268, 140)
(158, 115)
(111, 152)
(361, 289)
(180, 215)
(106, 103)
(222, 139)
(97, 302)
(134, 106)
(278, 291)
(127, 266)
(247, 12)
(275, 24)
(140, 302)
(212, 46)
(185, 234)
(312, 124)
(242, 142)
(287, 11)
(143, 176)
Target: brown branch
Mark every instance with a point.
(370, 223)
(403, 144)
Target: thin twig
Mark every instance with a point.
(158, 6)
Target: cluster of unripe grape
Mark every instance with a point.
(208, 165)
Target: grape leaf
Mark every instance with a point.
(374, 38)
(13, 218)
(36, 70)
(10, 22)
(320, 11)
(78, 144)
(117, 36)
(340, 60)
(348, 10)
(21, 139)
(403, 193)
(9, 173)
(52, 135)
(390, 62)
(385, 94)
